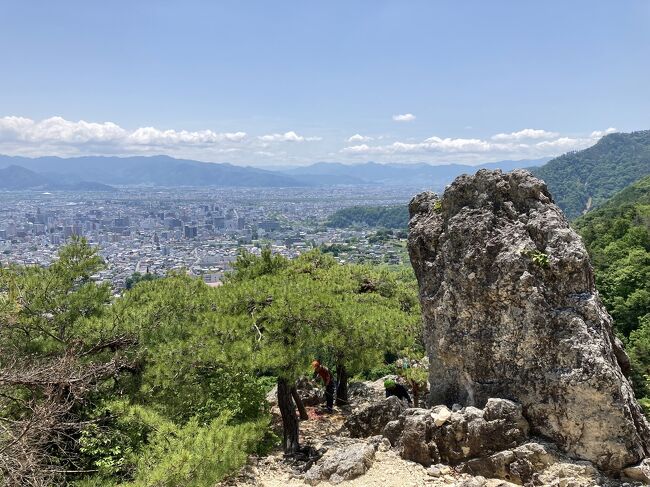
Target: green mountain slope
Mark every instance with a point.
(617, 236)
(373, 216)
(585, 179)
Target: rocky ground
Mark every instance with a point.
(379, 442)
(387, 468)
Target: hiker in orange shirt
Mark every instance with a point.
(324, 373)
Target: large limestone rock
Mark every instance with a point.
(343, 463)
(429, 436)
(371, 419)
(534, 464)
(511, 311)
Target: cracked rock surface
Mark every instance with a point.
(510, 310)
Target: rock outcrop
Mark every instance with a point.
(364, 393)
(511, 311)
(343, 463)
(371, 419)
(536, 463)
(438, 435)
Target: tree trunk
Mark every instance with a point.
(416, 394)
(289, 420)
(342, 387)
(301, 407)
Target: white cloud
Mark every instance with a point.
(290, 136)
(57, 130)
(523, 144)
(563, 144)
(359, 138)
(596, 134)
(153, 136)
(265, 153)
(430, 145)
(406, 117)
(61, 137)
(526, 134)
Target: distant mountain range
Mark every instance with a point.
(150, 171)
(14, 178)
(425, 175)
(578, 180)
(169, 172)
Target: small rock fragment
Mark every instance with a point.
(640, 472)
(441, 416)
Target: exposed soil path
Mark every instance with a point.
(322, 432)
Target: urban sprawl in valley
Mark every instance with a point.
(199, 231)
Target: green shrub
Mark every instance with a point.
(540, 259)
(379, 372)
(638, 349)
(196, 455)
(645, 405)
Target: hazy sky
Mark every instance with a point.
(293, 82)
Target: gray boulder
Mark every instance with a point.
(342, 463)
(309, 391)
(371, 419)
(533, 464)
(361, 393)
(421, 435)
(510, 310)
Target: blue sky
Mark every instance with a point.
(265, 83)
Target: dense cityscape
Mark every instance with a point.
(199, 231)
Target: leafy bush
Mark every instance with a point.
(177, 372)
(379, 372)
(638, 348)
(617, 237)
(137, 277)
(195, 455)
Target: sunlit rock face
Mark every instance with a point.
(510, 310)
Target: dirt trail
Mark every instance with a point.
(388, 469)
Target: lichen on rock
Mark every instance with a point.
(511, 311)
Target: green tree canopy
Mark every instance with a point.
(617, 236)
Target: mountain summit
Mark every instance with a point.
(582, 180)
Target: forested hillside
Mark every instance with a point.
(617, 236)
(585, 179)
(166, 385)
(372, 216)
